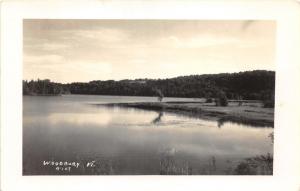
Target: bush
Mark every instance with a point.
(262, 164)
(269, 103)
(221, 99)
(268, 99)
(244, 169)
(209, 100)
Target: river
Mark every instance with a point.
(61, 130)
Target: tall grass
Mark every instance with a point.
(262, 164)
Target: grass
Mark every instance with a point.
(250, 113)
(262, 164)
(169, 166)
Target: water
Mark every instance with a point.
(59, 131)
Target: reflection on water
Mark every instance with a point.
(129, 141)
(220, 123)
(158, 118)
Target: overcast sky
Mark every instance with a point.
(86, 50)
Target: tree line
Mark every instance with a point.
(250, 85)
(44, 87)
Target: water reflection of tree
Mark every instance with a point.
(271, 136)
(158, 118)
(220, 123)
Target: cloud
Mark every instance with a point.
(198, 41)
(54, 46)
(57, 71)
(43, 59)
(103, 35)
(79, 50)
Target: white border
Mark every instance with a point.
(287, 131)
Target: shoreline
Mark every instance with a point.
(247, 114)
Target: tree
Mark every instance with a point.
(221, 99)
(25, 88)
(159, 94)
(42, 87)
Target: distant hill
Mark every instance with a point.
(258, 84)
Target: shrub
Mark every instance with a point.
(209, 100)
(269, 100)
(269, 103)
(262, 164)
(244, 169)
(221, 99)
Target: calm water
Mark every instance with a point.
(64, 130)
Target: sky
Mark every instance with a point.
(85, 50)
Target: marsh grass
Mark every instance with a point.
(170, 166)
(262, 165)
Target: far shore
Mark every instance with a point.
(250, 113)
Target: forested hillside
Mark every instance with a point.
(258, 84)
(44, 87)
